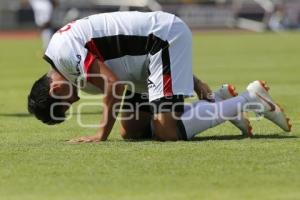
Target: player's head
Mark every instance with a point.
(50, 98)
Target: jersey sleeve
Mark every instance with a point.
(72, 59)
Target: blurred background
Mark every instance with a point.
(254, 15)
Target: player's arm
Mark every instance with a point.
(202, 90)
(107, 83)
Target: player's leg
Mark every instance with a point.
(135, 117)
(136, 129)
(170, 79)
(242, 122)
(199, 117)
(203, 115)
(165, 127)
(167, 112)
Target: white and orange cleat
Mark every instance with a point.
(273, 112)
(227, 91)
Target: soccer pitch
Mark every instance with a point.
(37, 164)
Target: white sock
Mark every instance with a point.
(203, 115)
(217, 98)
(238, 117)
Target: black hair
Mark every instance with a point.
(40, 102)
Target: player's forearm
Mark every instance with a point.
(108, 119)
(202, 90)
(110, 113)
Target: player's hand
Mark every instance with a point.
(203, 91)
(86, 139)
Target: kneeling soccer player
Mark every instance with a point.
(153, 51)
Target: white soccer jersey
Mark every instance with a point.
(152, 50)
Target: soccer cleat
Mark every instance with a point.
(279, 118)
(272, 111)
(227, 91)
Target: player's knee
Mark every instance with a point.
(165, 127)
(128, 134)
(125, 134)
(163, 133)
(164, 136)
(135, 134)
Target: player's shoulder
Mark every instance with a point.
(62, 50)
(57, 44)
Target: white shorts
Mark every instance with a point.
(170, 70)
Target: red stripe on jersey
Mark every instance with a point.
(91, 46)
(167, 84)
(89, 59)
(91, 56)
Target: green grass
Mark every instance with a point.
(36, 163)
